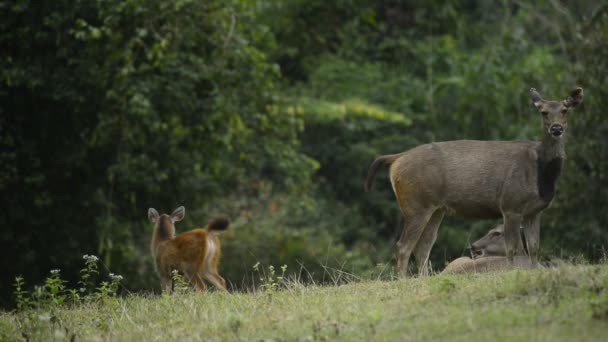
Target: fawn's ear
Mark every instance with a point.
(178, 214)
(153, 215)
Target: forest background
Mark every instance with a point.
(270, 112)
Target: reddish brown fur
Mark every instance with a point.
(195, 253)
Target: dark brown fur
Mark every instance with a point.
(548, 173)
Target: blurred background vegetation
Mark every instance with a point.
(271, 111)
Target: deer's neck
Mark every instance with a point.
(551, 155)
(160, 234)
(551, 148)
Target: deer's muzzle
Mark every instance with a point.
(475, 251)
(556, 130)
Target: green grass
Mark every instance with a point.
(565, 303)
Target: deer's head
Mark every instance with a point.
(555, 113)
(165, 224)
(491, 244)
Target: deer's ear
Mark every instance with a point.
(178, 214)
(575, 98)
(153, 215)
(536, 98)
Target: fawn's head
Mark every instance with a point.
(492, 244)
(555, 113)
(165, 224)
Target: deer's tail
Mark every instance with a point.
(373, 169)
(219, 223)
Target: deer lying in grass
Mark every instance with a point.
(490, 255)
(513, 180)
(195, 253)
(487, 264)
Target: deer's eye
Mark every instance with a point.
(495, 234)
(544, 113)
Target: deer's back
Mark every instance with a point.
(187, 247)
(486, 264)
(468, 177)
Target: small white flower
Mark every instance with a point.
(55, 271)
(90, 257)
(115, 277)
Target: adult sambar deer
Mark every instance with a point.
(195, 253)
(473, 179)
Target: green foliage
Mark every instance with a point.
(180, 284)
(305, 233)
(457, 71)
(54, 293)
(40, 314)
(269, 281)
(88, 273)
(577, 220)
(20, 294)
(271, 111)
(109, 107)
(443, 102)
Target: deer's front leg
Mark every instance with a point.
(166, 283)
(512, 222)
(532, 234)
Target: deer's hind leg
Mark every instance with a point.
(191, 272)
(209, 268)
(197, 281)
(214, 278)
(426, 242)
(415, 223)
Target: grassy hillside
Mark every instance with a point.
(564, 303)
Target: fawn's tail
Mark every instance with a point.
(219, 223)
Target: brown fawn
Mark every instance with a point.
(195, 253)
